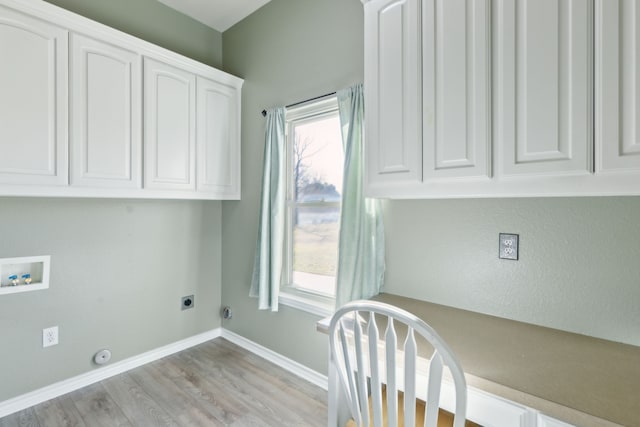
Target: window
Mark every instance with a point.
(315, 160)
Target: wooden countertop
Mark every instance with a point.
(582, 380)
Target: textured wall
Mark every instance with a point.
(118, 267)
(578, 268)
(154, 22)
(288, 51)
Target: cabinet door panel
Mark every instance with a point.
(393, 92)
(218, 142)
(106, 114)
(617, 85)
(489, 410)
(544, 86)
(456, 88)
(33, 111)
(169, 142)
(544, 421)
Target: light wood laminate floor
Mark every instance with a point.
(213, 384)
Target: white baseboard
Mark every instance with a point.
(290, 365)
(66, 386)
(63, 387)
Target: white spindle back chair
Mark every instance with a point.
(354, 343)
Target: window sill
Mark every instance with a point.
(319, 306)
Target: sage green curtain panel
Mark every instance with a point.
(267, 270)
(361, 247)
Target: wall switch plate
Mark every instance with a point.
(508, 246)
(50, 336)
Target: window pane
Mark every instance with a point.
(318, 160)
(315, 161)
(315, 247)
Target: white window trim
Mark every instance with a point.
(306, 303)
(292, 296)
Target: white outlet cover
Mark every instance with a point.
(50, 336)
(508, 247)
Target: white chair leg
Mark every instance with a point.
(336, 400)
(332, 398)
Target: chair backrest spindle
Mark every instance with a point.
(346, 373)
(376, 384)
(410, 355)
(361, 373)
(433, 389)
(391, 343)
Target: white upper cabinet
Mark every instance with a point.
(106, 138)
(89, 111)
(393, 101)
(33, 101)
(544, 87)
(617, 85)
(428, 94)
(169, 127)
(456, 88)
(218, 148)
(516, 98)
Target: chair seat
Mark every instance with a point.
(445, 419)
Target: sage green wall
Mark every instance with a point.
(118, 270)
(578, 269)
(154, 22)
(287, 51)
(118, 267)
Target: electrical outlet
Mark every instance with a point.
(508, 246)
(187, 302)
(50, 336)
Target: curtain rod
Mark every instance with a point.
(264, 112)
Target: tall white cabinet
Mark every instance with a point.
(106, 129)
(170, 127)
(393, 101)
(33, 104)
(218, 126)
(617, 86)
(544, 87)
(515, 98)
(88, 111)
(456, 89)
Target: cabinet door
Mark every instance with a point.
(169, 127)
(33, 111)
(544, 86)
(489, 410)
(106, 138)
(393, 99)
(456, 88)
(544, 421)
(617, 85)
(218, 139)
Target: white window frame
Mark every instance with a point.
(291, 295)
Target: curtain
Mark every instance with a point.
(267, 270)
(360, 272)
